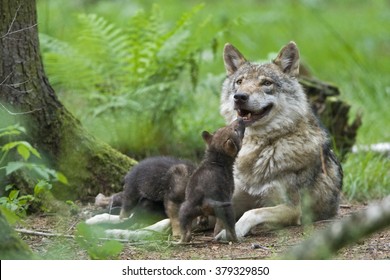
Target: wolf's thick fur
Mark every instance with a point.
(285, 168)
(157, 181)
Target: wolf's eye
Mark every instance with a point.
(266, 83)
(239, 81)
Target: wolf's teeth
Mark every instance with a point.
(249, 116)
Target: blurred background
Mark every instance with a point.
(145, 76)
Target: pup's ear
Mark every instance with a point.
(230, 148)
(207, 137)
(288, 59)
(233, 59)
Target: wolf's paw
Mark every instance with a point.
(133, 235)
(156, 230)
(223, 237)
(245, 224)
(242, 227)
(103, 218)
(162, 226)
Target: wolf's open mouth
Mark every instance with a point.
(250, 116)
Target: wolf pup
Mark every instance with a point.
(157, 180)
(286, 168)
(210, 188)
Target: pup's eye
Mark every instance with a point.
(239, 81)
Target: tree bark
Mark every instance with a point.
(25, 93)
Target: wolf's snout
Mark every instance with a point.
(241, 98)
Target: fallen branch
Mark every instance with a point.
(50, 234)
(40, 233)
(349, 230)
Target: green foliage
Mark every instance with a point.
(9, 215)
(131, 78)
(14, 201)
(366, 176)
(89, 240)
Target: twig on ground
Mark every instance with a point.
(50, 234)
(40, 233)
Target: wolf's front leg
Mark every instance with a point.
(162, 226)
(104, 218)
(282, 214)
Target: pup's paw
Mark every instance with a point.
(221, 236)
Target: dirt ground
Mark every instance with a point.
(259, 245)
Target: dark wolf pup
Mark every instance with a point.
(210, 188)
(286, 169)
(156, 182)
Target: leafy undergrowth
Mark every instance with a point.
(259, 245)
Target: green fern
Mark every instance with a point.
(61, 60)
(137, 69)
(105, 45)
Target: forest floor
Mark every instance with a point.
(269, 244)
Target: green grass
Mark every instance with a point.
(367, 176)
(343, 42)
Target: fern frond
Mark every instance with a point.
(142, 44)
(103, 39)
(184, 21)
(105, 45)
(178, 48)
(61, 59)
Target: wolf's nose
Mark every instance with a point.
(241, 98)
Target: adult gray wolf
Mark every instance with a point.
(210, 188)
(286, 170)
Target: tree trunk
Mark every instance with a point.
(25, 92)
(333, 112)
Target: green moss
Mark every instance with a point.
(90, 165)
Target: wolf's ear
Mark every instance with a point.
(233, 59)
(230, 147)
(207, 137)
(288, 59)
